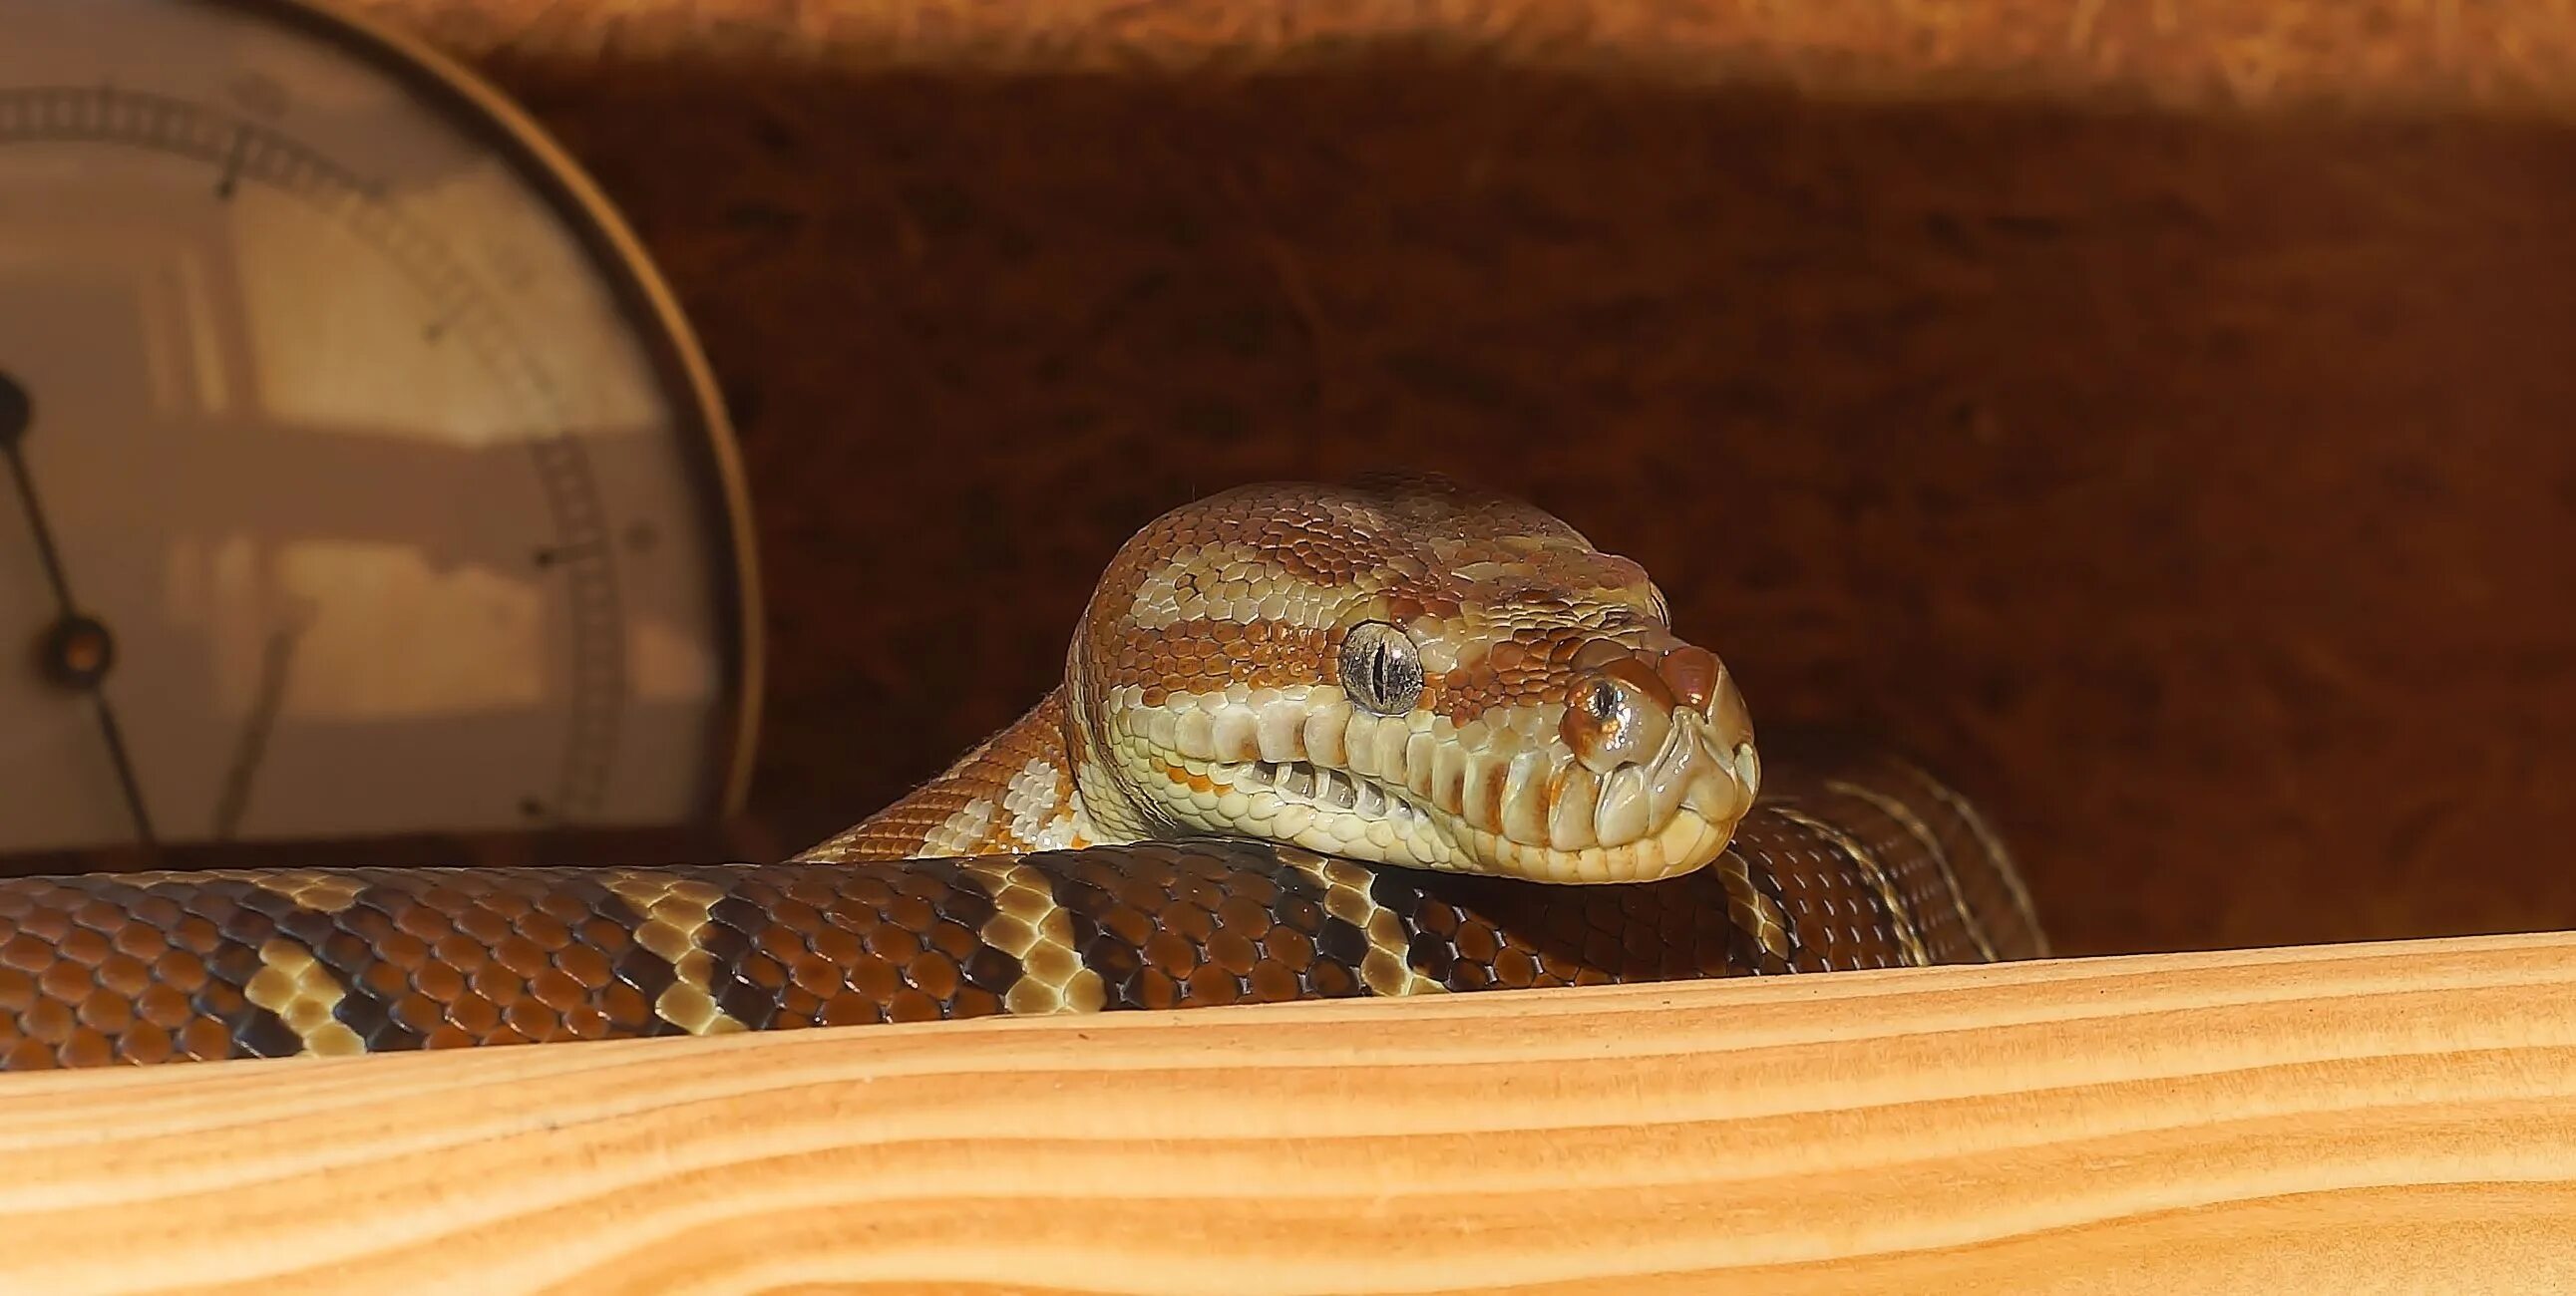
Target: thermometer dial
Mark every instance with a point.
(361, 476)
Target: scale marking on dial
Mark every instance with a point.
(374, 344)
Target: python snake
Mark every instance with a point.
(1384, 738)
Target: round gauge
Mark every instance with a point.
(362, 477)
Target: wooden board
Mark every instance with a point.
(2396, 1117)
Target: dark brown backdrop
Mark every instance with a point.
(2155, 414)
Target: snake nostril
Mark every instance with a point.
(1603, 701)
(1618, 715)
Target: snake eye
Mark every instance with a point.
(1381, 669)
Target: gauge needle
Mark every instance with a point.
(77, 650)
(274, 663)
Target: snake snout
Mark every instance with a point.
(1622, 710)
(1677, 719)
(1729, 730)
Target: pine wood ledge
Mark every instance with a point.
(2389, 1117)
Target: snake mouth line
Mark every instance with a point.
(1502, 796)
(1328, 789)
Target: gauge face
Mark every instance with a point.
(362, 479)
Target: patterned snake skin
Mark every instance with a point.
(1384, 739)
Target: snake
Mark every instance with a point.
(1389, 736)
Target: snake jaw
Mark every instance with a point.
(1502, 794)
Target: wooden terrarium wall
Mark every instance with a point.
(2159, 417)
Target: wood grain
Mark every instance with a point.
(2396, 1117)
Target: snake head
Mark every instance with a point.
(1404, 671)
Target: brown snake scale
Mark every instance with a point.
(1454, 692)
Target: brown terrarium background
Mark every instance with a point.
(2154, 415)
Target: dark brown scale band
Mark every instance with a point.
(1871, 866)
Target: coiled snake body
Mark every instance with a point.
(1388, 738)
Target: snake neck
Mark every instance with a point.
(1017, 791)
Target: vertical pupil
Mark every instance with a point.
(1378, 673)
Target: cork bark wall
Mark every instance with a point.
(2157, 415)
